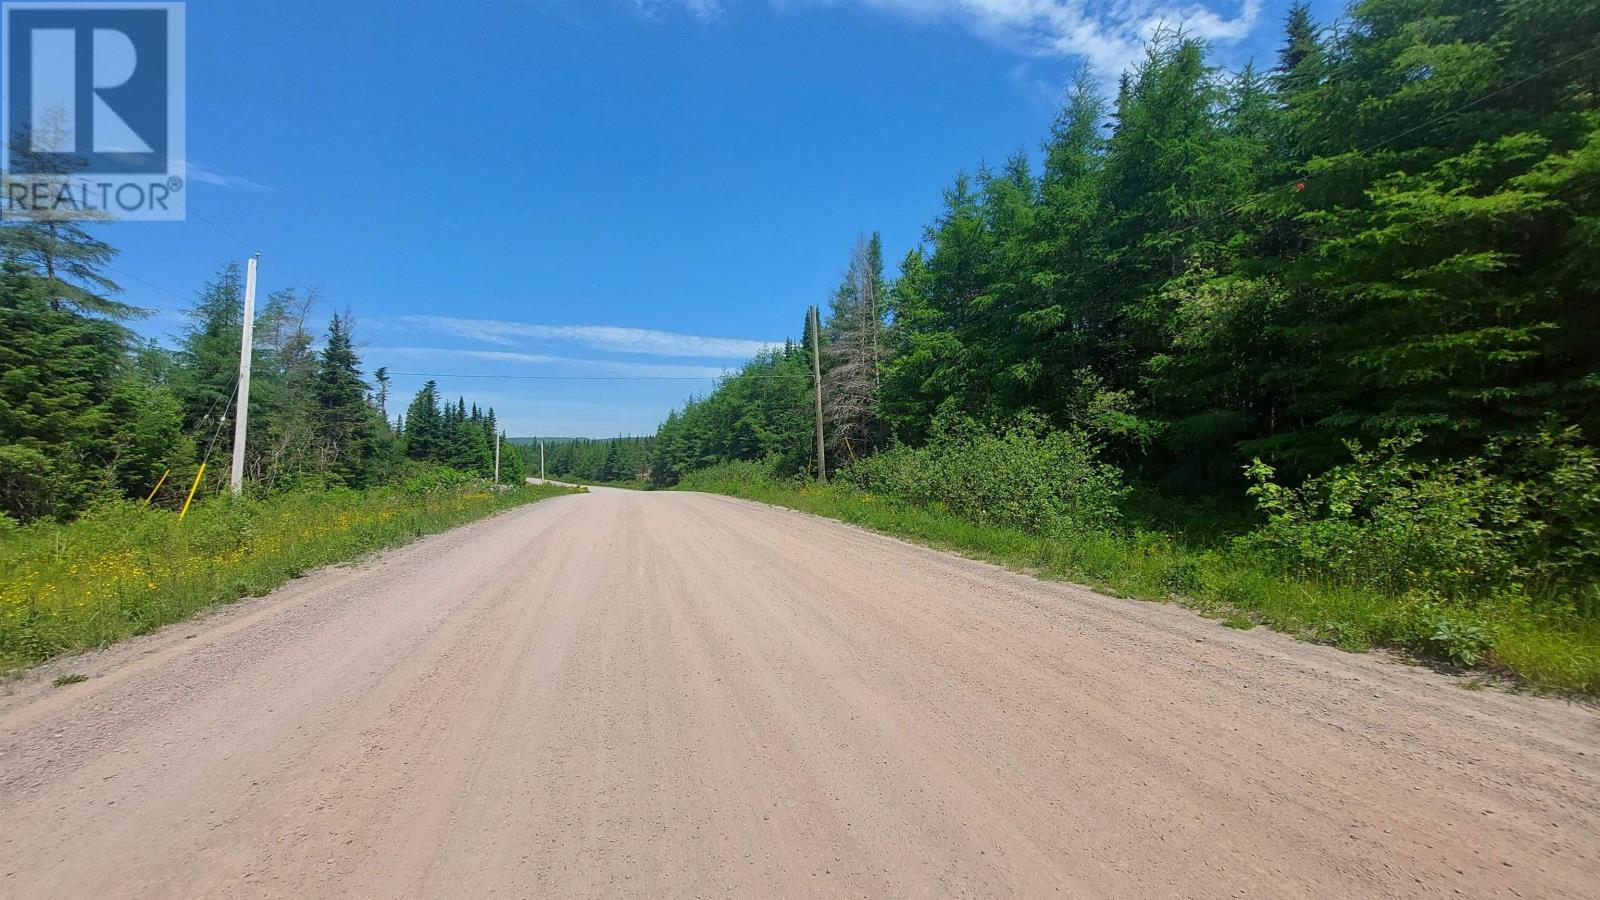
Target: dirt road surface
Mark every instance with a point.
(677, 695)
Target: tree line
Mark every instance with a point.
(88, 411)
(1388, 236)
(585, 459)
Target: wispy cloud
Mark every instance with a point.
(550, 365)
(1110, 34)
(704, 10)
(611, 338)
(205, 175)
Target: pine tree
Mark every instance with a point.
(1443, 295)
(380, 394)
(425, 426)
(345, 421)
(611, 468)
(471, 452)
(208, 351)
(75, 423)
(512, 470)
(56, 246)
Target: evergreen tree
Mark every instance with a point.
(1448, 298)
(56, 246)
(208, 351)
(512, 470)
(345, 422)
(75, 423)
(380, 393)
(425, 426)
(283, 438)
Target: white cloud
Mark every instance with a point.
(612, 338)
(554, 366)
(704, 10)
(1110, 34)
(198, 173)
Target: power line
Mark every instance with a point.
(247, 246)
(278, 263)
(199, 218)
(233, 394)
(149, 284)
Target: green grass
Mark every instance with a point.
(127, 569)
(1542, 652)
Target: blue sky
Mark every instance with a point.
(602, 188)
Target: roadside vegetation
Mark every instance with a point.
(1533, 636)
(123, 568)
(105, 438)
(1307, 344)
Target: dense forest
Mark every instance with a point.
(1354, 288)
(618, 459)
(90, 412)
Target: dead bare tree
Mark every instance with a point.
(853, 347)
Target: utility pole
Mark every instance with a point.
(497, 460)
(816, 382)
(541, 460)
(246, 337)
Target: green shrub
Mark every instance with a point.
(1541, 643)
(729, 477)
(1524, 518)
(1559, 477)
(1024, 477)
(1432, 627)
(421, 480)
(1395, 523)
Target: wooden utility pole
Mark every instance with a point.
(497, 460)
(246, 337)
(541, 460)
(816, 384)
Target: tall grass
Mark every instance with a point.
(126, 569)
(1547, 650)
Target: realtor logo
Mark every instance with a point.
(92, 110)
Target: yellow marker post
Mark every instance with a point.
(192, 488)
(157, 487)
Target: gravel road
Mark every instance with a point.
(680, 695)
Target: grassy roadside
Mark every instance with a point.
(127, 569)
(1544, 653)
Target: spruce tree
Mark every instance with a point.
(208, 351)
(424, 425)
(76, 422)
(57, 247)
(345, 421)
